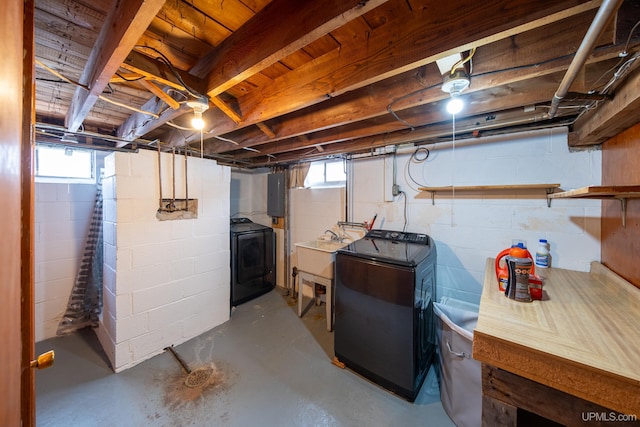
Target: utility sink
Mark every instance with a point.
(317, 256)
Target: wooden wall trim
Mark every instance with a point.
(12, 113)
(621, 166)
(27, 273)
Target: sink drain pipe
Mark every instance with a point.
(179, 359)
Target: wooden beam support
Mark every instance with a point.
(611, 117)
(226, 108)
(160, 94)
(506, 395)
(122, 29)
(384, 127)
(418, 136)
(266, 130)
(153, 69)
(501, 61)
(390, 53)
(139, 124)
(263, 40)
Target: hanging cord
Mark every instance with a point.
(173, 176)
(186, 179)
(159, 176)
(453, 168)
(201, 144)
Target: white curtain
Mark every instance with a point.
(298, 173)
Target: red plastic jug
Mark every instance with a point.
(502, 273)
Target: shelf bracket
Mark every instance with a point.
(433, 198)
(623, 207)
(549, 191)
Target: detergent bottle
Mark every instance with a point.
(518, 249)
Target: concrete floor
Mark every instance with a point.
(268, 367)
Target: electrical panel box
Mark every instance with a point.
(275, 194)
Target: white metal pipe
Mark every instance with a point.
(606, 10)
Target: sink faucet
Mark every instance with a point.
(334, 236)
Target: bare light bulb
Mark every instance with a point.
(199, 106)
(197, 122)
(455, 105)
(454, 83)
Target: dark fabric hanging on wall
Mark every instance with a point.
(85, 301)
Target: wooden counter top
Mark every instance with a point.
(583, 338)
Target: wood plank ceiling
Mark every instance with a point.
(288, 81)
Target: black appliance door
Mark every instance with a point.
(374, 322)
(252, 256)
(253, 265)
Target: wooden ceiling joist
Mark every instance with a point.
(352, 67)
(157, 91)
(263, 41)
(124, 25)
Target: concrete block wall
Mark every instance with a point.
(470, 227)
(249, 195)
(62, 217)
(165, 282)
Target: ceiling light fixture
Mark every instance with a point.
(454, 83)
(199, 106)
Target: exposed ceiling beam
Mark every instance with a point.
(391, 53)
(141, 64)
(417, 88)
(157, 91)
(432, 134)
(139, 124)
(382, 127)
(265, 39)
(610, 118)
(124, 26)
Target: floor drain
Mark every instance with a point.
(198, 377)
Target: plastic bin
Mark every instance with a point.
(460, 374)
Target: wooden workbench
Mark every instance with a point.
(572, 357)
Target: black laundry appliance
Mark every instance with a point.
(253, 260)
(385, 285)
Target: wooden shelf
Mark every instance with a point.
(609, 192)
(549, 188)
(600, 192)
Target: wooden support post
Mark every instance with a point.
(511, 400)
(498, 413)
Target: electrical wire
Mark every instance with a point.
(463, 61)
(415, 158)
(617, 75)
(129, 80)
(404, 196)
(168, 63)
(85, 87)
(395, 115)
(221, 138)
(179, 127)
(626, 45)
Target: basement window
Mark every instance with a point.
(325, 174)
(64, 164)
